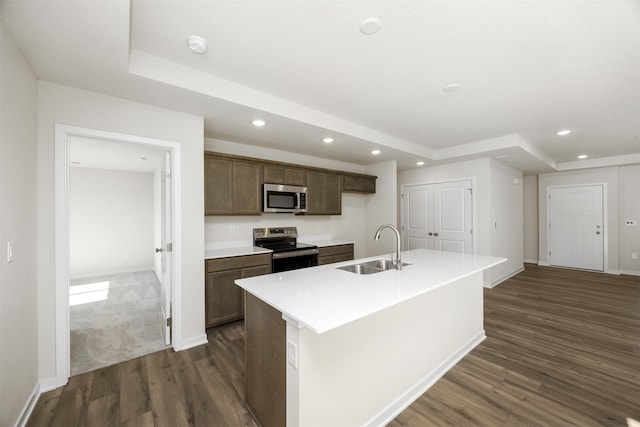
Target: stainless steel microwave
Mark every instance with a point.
(284, 198)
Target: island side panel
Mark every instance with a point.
(265, 350)
(368, 371)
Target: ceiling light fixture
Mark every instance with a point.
(370, 26)
(327, 140)
(420, 163)
(563, 132)
(259, 123)
(197, 45)
(451, 88)
(375, 152)
(583, 156)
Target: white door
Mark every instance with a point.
(166, 245)
(453, 217)
(576, 227)
(417, 219)
(438, 216)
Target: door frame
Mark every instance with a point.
(62, 227)
(605, 223)
(443, 181)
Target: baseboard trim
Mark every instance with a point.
(29, 405)
(530, 261)
(400, 404)
(110, 273)
(630, 272)
(191, 342)
(544, 264)
(502, 279)
(48, 384)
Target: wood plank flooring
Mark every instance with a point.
(563, 348)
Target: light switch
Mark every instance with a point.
(10, 251)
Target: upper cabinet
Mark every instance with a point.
(233, 184)
(324, 193)
(359, 183)
(278, 174)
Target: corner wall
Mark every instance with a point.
(18, 206)
(74, 107)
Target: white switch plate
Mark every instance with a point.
(10, 251)
(292, 353)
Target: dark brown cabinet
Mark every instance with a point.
(359, 183)
(232, 187)
(223, 298)
(337, 253)
(276, 174)
(324, 193)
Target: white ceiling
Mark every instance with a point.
(526, 69)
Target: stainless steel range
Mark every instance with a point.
(288, 254)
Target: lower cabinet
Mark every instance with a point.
(223, 298)
(338, 253)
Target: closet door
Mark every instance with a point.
(453, 216)
(417, 221)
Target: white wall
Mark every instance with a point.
(111, 221)
(75, 107)
(351, 225)
(506, 221)
(530, 214)
(629, 198)
(495, 199)
(18, 207)
(382, 209)
(607, 176)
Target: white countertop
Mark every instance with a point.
(234, 251)
(324, 298)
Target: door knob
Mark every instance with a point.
(158, 250)
(597, 232)
(430, 234)
(435, 234)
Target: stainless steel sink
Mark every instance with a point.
(371, 267)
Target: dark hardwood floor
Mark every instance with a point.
(562, 348)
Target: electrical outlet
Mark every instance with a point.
(10, 251)
(634, 255)
(292, 353)
(232, 229)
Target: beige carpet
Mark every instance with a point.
(113, 319)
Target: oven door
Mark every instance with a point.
(293, 260)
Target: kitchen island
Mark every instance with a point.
(326, 346)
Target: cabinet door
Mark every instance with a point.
(217, 186)
(273, 174)
(256, 271)
(315, 193)
(294, 176)
(333, 195)
(223, 297)
(247, 180)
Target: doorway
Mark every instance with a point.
(576, 227)
(115, 209)
(165, 241)
(438, 216)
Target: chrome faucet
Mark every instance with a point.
(398, 260)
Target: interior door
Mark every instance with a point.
(166, 245)
(438, 216)
(417, 221)
(576, 227)
(453, 217)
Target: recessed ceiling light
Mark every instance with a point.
(420, 163)
(375, 152)
(327, 140)
(258, 123)
(370, 26)
(197, 44)
(563, 132)
(583, 156)
(451, 88)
